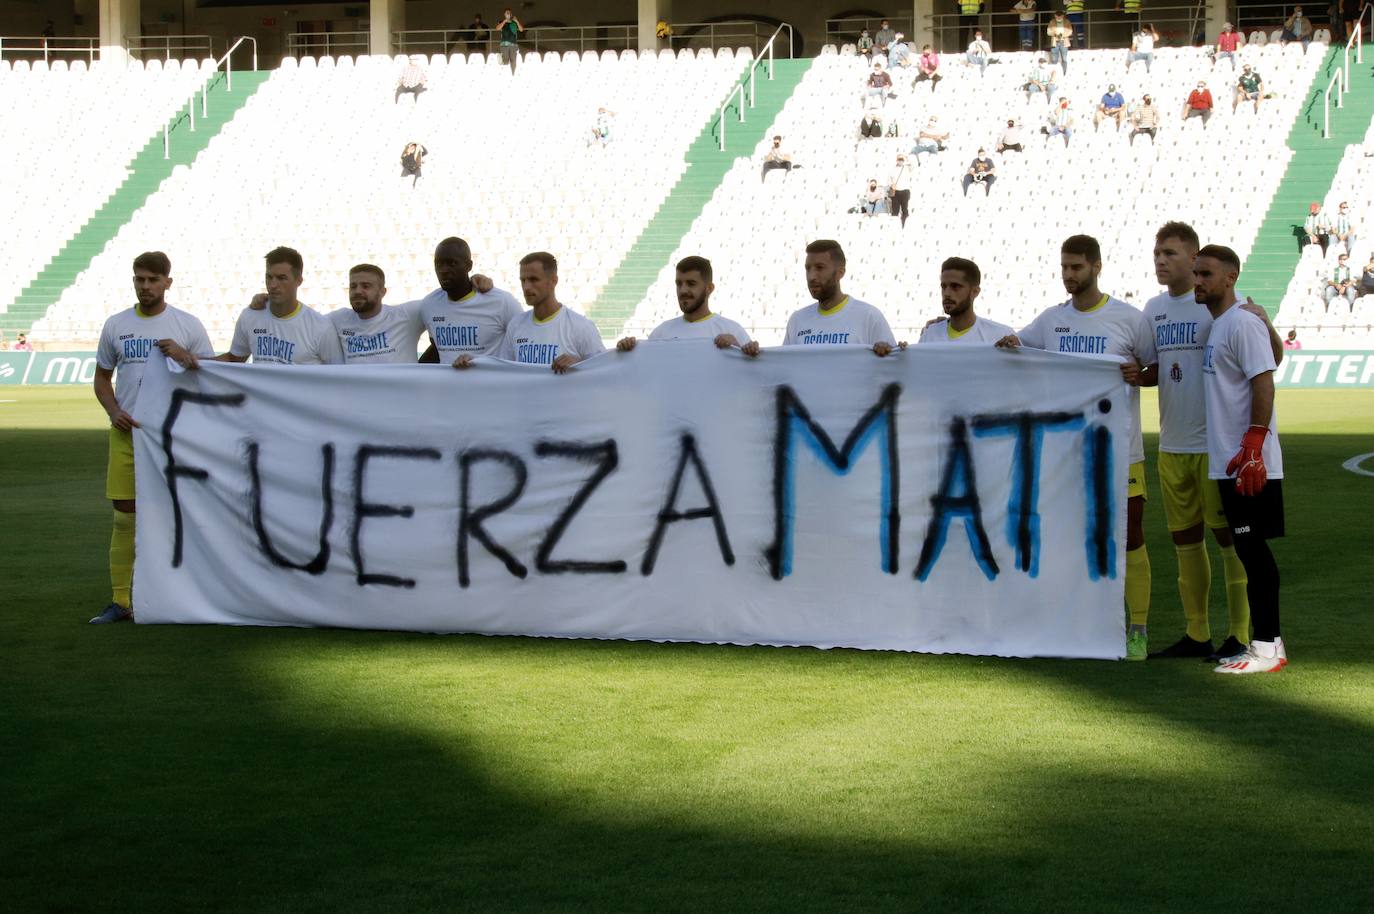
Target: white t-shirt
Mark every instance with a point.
(1180, 326)
(474, 325)
(1025, 11)
(851, 321)
(306, 337)
(391, 336)
(1112, 328)
(531, 342)
(708, 328)
(129, 339)
(1237, 350)
(1144, 43)
(983, 332)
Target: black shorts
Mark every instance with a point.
(1253, 515)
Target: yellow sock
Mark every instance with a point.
(1194, 581)
(1237, 603)
(122, 558)
(1138, 585)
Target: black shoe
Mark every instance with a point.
(1229, 648)
(1185, 647)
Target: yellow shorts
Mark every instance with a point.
(1190, 498)
(1135, 480)
(119, 474)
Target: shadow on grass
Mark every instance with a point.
(170, 769)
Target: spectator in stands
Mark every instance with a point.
(475, 38)
(509, 32)
(1341, 283)
(1040, 79)
(898, 53)
(1367, 277)
(1025, 22)
(1249, 88)
(1315, 228)
(1199, 104)
(601, 129)
(899, 189)
(1060, 31)
(978, 52)
(1143, 47)
(1228, 44)
(412, 80)
(928, 64)
(1074, 9)
(883, 39)
(1011, 138)
(871, 127)
(1112, 105)
(1342, 229)
(412, 159)
(930, 140)
(1059, 122)
(1145, 119)
(1350, 12)
(879, 84)
(1291, 341)
(980, 171)
(22, 344)
(776, 158)
(866, 44)
(1297, 27)
(874, 199)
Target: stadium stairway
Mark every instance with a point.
(1269, 268)
(707, 165)
(146, 171)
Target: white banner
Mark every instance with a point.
(943, 499)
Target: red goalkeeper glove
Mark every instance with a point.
(1248, 464)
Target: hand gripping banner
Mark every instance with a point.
(942, 499)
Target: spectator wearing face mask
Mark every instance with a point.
(776, 158)
(1142, 47)
(1199, 104)
(1297, 27)
(980, 171)
(1249, 88)
(899, 189)
(1228, 43)
(874, 200)
(1059, 123)
(1342, 228)
(930, 140)
(878, 85)
(1011, 138)
(978, 53)
(1145, 119)
(1112, 105)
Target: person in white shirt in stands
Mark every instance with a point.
(1093, 323)
(696, 322)
(285, 332)
(371, 333)
(465, 315)
(900, 187)
(1238, 383)
(1142, 47)
(978, 52)
(1192, 504)
(128, 339)
(834, 319)
(1025, 15)
(960, 283)
(548, 334)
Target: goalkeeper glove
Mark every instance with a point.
(1248, 464)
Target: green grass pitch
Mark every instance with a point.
(180, 768)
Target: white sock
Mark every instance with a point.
(1265, 649)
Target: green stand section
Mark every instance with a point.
(1267, 271)
(706, 167)
(147, 171)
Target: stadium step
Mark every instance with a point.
(707, 166)
(145, 174)
(1274, 258)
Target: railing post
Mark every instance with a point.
(166, 144)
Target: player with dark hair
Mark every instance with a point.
(373, 333)
(1238, 382)
(1192, 502)
(835, 318)
(960, 283)
(548, 334)
(128, 339)
(697, 322)
(464, 316)
(1093, 323)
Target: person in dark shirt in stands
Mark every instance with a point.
(411, 160)
(980, 171)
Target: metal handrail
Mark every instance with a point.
(738, 90)
(1343, 72)
(1100, 21)
(305, 43)
(601, 37)
(164, 43)
(1326, 104)
(228, 63)
(45, 45)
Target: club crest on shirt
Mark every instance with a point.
(1176, 373)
